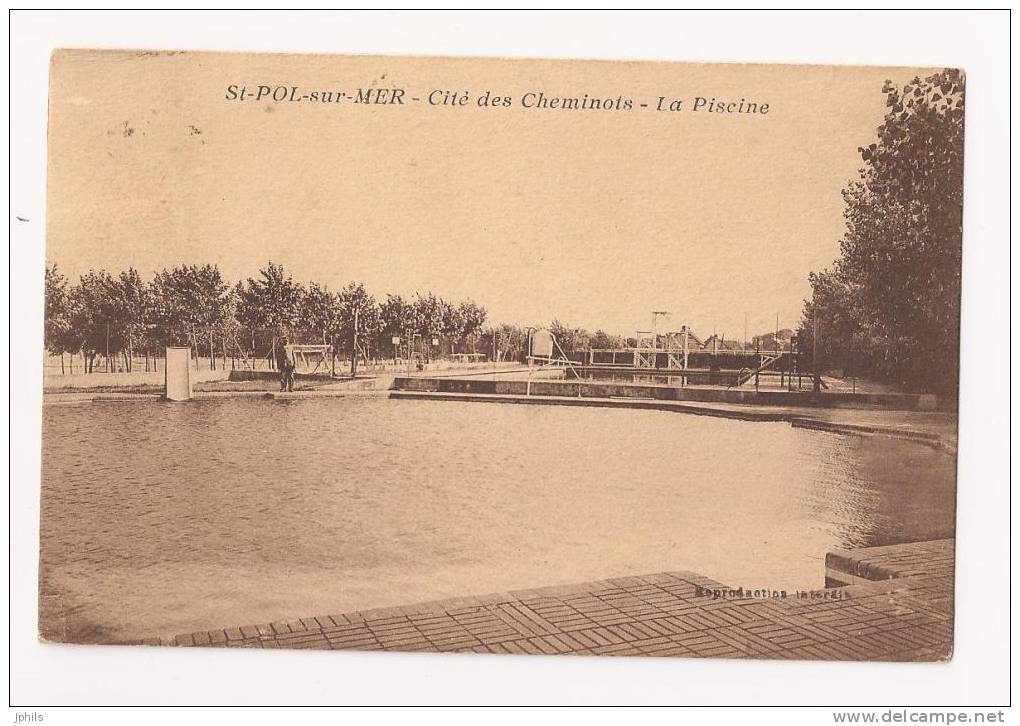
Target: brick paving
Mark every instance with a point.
(906, 614)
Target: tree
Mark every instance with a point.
(453, 327)
(511, 342)
(574, 342)
(56, 312)
(603, 340)
(396, 321)
(92, 317)
(271, 301)
(472, 318)
(358, 316)
(321, 311)
(430, 312)
(129, 307)
(189, 301)
(231, 330)
(896, 285)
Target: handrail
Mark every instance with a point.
(764, 365)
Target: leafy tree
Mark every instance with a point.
(574, 342)
(189, 301)
(602, 339)
(471, 317)
(511, 342)
(396, 320)
(92, 317)
(321, 311)
(271, 301)
(231, 332)
(896, 285)
(356, 305)
(56, 322)
(453, 327)
(130, 307)
(430, 312)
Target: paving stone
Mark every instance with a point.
(456, 645)
(303, 640)
(620, 649)
(669, 650)
(604, 636)
(201, 638)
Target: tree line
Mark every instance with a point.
(121, 317)
(889, 307)
(118, 317)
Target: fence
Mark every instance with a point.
(236, 348)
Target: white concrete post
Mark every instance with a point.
(177, 385)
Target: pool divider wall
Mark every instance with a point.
(573, 389)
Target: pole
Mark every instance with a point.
(354, 345)
(685, 336)
(814, 356)
(853, 370)
(789, 367)
(531, 331)
(796, 360)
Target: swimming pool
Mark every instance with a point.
(163, 518)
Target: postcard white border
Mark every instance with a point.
(47, 675)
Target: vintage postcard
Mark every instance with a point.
(501, 355)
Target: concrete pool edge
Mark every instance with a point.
(890, 562)
(740, 412)
(906, 618)
(64, 399)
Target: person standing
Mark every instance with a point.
(287, 366)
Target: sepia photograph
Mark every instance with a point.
(503, 356)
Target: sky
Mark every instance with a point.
(594, 217)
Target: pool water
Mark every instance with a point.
(162, 518)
